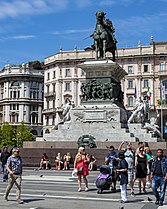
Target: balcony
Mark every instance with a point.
(49, 111)
(50, 94)
(162, 73)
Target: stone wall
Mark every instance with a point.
(32, 151)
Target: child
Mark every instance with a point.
(123, 174)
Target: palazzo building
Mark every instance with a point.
(21, 97)
(146, 67)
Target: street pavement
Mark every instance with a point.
(51, 189)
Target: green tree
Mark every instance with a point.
(36, 64)
(23, 134)
(7, 135)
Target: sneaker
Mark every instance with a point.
(157, 202)
(160, 203)
(5, 198)
(122, 201)
(79, 190)
(132, 194)
(86, 189)
(20, 201)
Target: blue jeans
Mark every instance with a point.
(5, 175)
(159, 181)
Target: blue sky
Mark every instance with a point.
(34, 29)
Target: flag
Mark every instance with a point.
(135, 92)
(148, 94)
(163, 92)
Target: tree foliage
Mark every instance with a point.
(14, 136)
(36, 64)
(23, 134)
(7, 135)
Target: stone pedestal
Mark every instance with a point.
(102, 114)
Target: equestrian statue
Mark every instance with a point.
(103, 35)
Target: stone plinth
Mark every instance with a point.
(103, 69)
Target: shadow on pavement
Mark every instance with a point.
(32, 200)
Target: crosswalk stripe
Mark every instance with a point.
(67, 197)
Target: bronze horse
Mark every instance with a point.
(103, 36)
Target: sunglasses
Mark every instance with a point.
(17, 151)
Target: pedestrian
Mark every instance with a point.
(14, 167)
(44, 161)
(112, 160)
(159, 176)
(80, 163)
(3, 158)
(123, 174)
(149, 160)
(140, 144)
(92, 161)
(130, 159)
(141, 167)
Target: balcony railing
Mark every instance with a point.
(50, 94)
(162, 73)
(49, 111)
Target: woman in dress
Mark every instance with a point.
(141, 167)
(80, 163)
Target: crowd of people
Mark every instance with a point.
(126, 164)
(130, 165)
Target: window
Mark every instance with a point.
(145, 68)
(47, 120)
(53, 103)
(48, 76)
(68, 72)
(53, 120)
(54, 74)
(162, 67)
(130, 84)
(67, 86)
(47, 105)
(162, 57)
(130, 69)
(54, 88)
(146, 59)
(47, 89)
(14, 94)
(130, 101)
(145, 83)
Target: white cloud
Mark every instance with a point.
(22, 37)
(141, 26)
(15, 8)
(71, 31)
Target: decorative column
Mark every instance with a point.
(39, 114)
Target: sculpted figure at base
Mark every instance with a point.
(140, 112)
(103, 35)
(152, 127)
(65, 114)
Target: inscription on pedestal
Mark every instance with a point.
(95, 116)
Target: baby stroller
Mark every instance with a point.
(104, 180)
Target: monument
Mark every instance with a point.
(102, 115)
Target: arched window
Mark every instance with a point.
(15, 83)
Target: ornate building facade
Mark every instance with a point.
(21, 97)
(146, 67)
